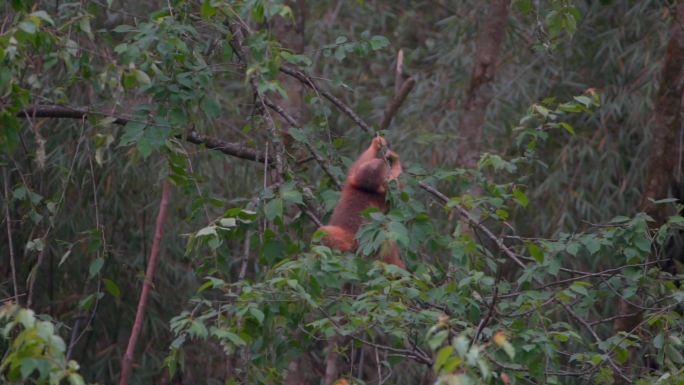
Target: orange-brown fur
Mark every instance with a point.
(365, 187)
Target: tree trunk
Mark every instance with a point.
(478, 94)
(666, 148)
(667, 123)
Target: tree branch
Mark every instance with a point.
(473, 222)
(306, 80)
(293, 123)
(63, 112)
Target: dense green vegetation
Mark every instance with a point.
(538, 212)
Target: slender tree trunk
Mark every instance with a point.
(291, 36)
(478, 95)
(667, 123)
(127, 361)
(666, 146)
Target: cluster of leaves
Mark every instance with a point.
(33, 351)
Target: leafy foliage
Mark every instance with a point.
(34, 352)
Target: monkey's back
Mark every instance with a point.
(352, 202)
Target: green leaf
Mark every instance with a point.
(211, 107)
(583, 99)
(340, 53)
(437, 339)
(378, 42)
(133, 131)
(198, 329)
(298, 135)
(273, 209)
(673, 354)
(572, 248)
(591, 243)
(123, 28)
(543, 111)
(461, 344)
(228, 222)
(442, 355)
(257, 314)
(230, 336)
(207, 10)
(291, 195)
(524, 6)
(84, 25)
(664, 200)
(567, 127)
(75, 379)
(643, 244)
(43, 16)
(296, 59)
(536, 252)
(112, 288)
(207, 231)
(142, 78)
(520, 197)
(28, 27)
(95, 267)
(579, 288)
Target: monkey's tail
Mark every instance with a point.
(338, 238)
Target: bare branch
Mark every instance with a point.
(399, 72)
(397, 101)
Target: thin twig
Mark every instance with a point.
(8, 221)
(490, 311)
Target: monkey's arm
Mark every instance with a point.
(396, 169)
